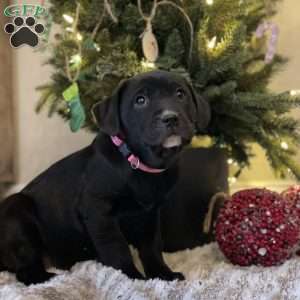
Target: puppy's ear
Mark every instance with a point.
(203, 112)
(106, 113)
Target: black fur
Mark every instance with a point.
(92, 204)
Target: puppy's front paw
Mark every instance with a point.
(173, 276)
(134, 274)
(178, 276)
(169, 276)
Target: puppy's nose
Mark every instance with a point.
(170, 118)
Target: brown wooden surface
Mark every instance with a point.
(6, 105)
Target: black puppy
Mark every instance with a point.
(95, 202)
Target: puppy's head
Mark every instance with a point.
(157, 113)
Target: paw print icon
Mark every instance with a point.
(24, 31)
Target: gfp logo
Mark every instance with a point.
(24, 29)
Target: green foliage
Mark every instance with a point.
(231, 74)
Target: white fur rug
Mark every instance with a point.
(209, 276)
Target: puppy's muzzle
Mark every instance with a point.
(169, 118)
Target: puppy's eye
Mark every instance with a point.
(180, 93)
(141, 101)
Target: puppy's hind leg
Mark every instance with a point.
(33, 273)
(22, 247)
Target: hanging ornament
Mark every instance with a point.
(149, 41)
(150, 45)
(72, 97)
(261, 30)
(72, 69)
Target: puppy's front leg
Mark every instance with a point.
(110, 244)
(150, 250)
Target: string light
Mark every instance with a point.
(210, 2)
(230, 161)
(97, 47)
(68, 19)
(284, 145)
(294, 92)
(232, 180)
(148, 64)
(69, 29)
(76, 59)
(212, 43)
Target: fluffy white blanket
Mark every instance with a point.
(209, 276)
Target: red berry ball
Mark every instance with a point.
(257, 227)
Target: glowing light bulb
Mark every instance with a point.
(148, 64)
(212, 43)
(294, 92)
(69, 29)
(79, 37)
(76, 59)
(232, 180)
(97, 47)
(68, 19)
(230, 161)
(284, 145)
(210, 2)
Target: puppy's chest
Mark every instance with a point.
(141, 196)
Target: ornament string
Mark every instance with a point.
(149, 18)
(108, 9)
(67, 60)
(212, 203)
(97, 27)
(75, 24)
(166, 2)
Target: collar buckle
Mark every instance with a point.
(135, 163)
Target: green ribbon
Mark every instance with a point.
(72, 97)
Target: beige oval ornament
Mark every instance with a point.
(150, 45)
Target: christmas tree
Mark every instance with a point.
(225, 48)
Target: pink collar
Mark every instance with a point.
(134, 161)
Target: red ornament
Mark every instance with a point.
(257, 227)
